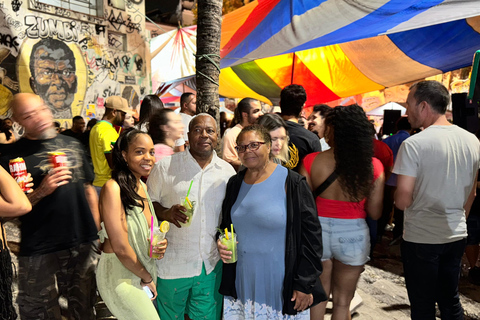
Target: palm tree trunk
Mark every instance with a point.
(209, 24)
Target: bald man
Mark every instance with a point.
(58, 252)
(189, 276)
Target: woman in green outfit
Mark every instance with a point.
(125, 267)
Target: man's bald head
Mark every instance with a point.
(31, 112)
(198, 117)
(21, 99)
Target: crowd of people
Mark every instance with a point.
(299, 197)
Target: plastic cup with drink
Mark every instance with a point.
(157, 235)
(189, 205)
(230, 240)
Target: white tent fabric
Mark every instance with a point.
(388, 106)
(173, 55)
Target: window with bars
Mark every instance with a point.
(83, 6)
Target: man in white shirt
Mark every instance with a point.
(188, 108)
(189, 275)
(436, 171)
(247, 113)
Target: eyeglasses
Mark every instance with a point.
(48, 73)
(252, 146)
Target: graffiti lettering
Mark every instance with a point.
(37, 27)
(139, 63)
(108, 92)
(100, 29)
(101, 63)
(12, 23)
(10, 41)
(123, 61)
(84, 43)
(62, 12)
(85, 28)
(114, 42)
(39, 6)
(91, 77)
(118, 21)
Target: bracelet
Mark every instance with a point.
(146, 282)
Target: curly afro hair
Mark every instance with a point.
(353, 150)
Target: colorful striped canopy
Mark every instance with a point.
(173, 56)
(337, 49)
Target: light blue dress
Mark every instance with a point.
(260, 219)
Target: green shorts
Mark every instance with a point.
(197, 297)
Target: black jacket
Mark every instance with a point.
(303, 248)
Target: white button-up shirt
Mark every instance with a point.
(190, 247)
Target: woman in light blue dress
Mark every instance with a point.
(278, 234)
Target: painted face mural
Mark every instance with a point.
(52, 65)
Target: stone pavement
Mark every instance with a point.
(381, 285)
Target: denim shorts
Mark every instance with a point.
(473, 229)
(345, 240)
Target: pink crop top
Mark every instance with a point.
(341, 209)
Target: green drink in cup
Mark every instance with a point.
(230, 240)
(190, 206)
(157, 237)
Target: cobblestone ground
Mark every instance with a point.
(382, 288)
(381, 285)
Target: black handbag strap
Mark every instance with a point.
(331, 178)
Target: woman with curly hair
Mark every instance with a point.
(347, 182)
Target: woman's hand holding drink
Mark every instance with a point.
(227, 246)
(159, 243)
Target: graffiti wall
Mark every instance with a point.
(74, 59)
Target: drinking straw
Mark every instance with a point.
(233, 239)
(188, 192)
(226, 233)
(151, 238)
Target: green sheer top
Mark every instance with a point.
(138, 234)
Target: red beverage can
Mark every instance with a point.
(18, 170)
(58, 159)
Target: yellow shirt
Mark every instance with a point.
(102, 138)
